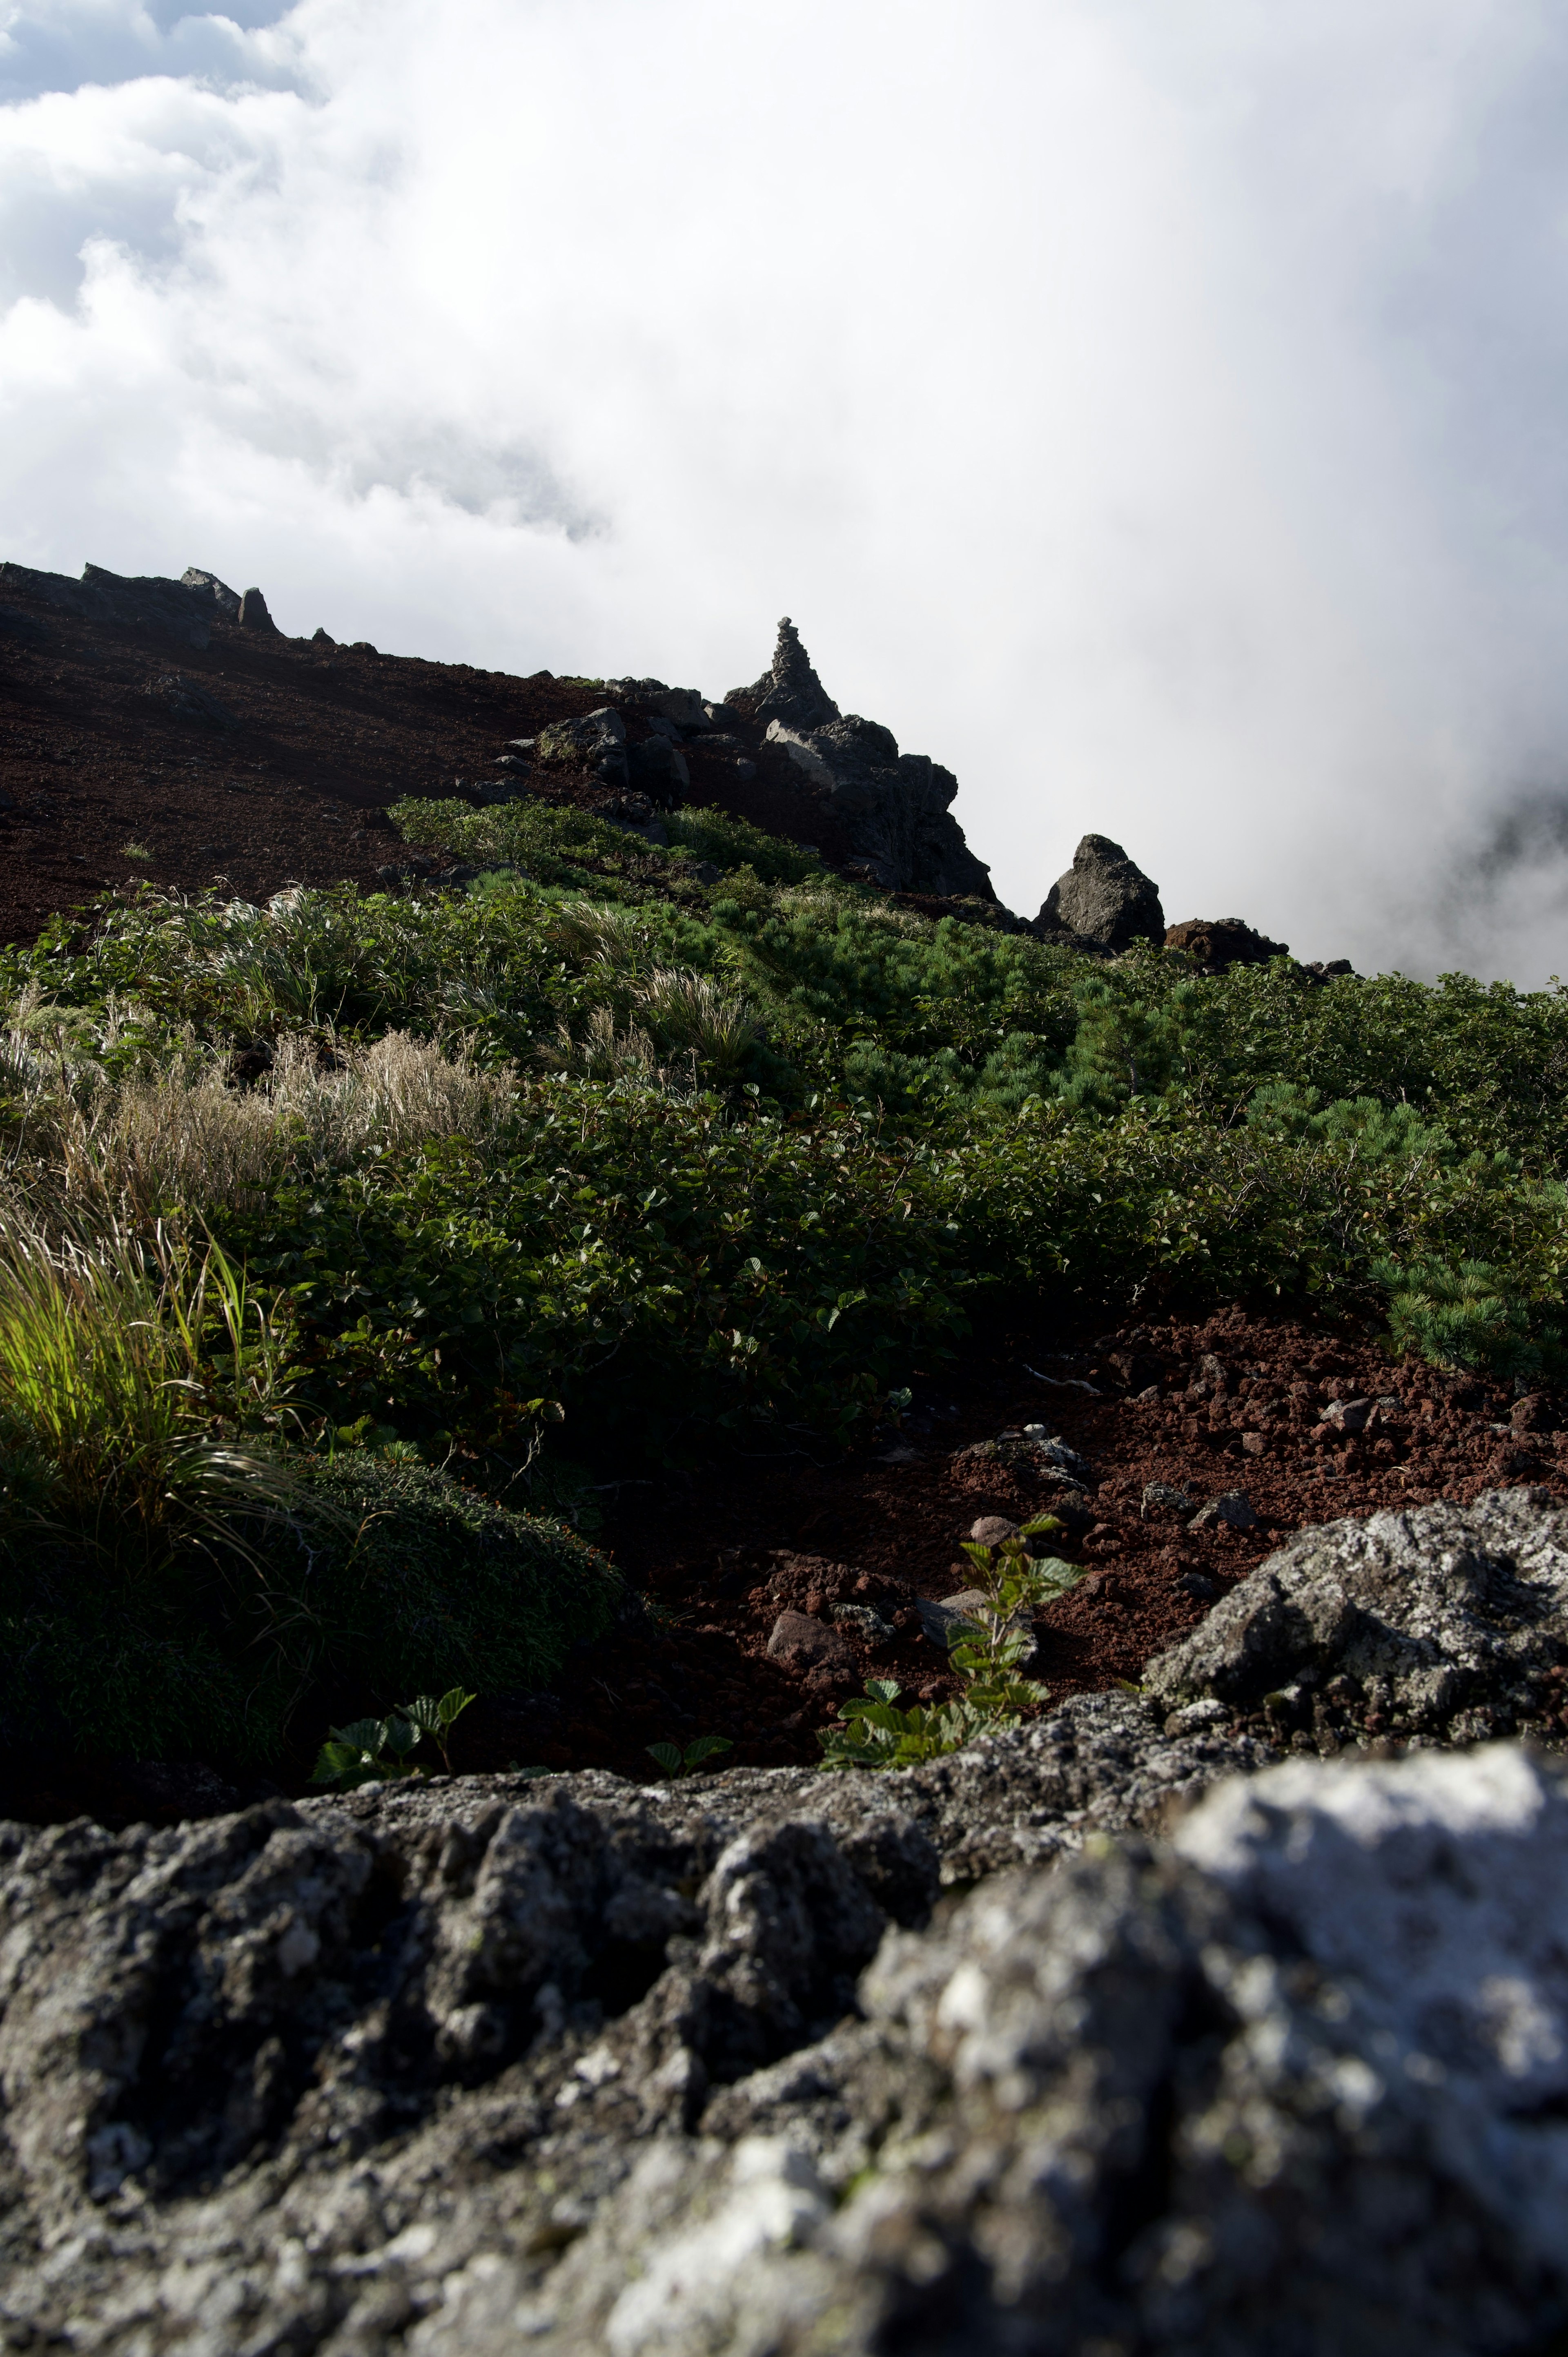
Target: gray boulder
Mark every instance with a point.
(1103, 900)
(1438, 1623)
(598, 741)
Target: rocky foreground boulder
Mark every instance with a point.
(1118, 2033)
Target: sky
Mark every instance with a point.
(1157, 414)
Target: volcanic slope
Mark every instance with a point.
(136, 747)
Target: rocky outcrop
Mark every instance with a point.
(1446, 1622)
(788, 690)
(895, 808)
(228, 602)
(1103, 902)
(253, 614)
(1216, 944)
(170, 608)
(183, 611)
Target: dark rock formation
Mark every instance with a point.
(1215, 943)
(894, 808)
(1449, 1622)
(253, 614)
(189, 700)
(788, 690)
(170, 608)
(1103, 901)
(597, 741)
(226, 600)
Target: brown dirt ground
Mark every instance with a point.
(103, 785)
(722, 1550)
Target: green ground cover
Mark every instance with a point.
(594, 1146)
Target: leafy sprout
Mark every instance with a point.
(986, 1650)
(373, 1750)
(670, 1760)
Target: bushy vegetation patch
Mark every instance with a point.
(595, 1144)
(384, 1575)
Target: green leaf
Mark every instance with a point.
(366, 1735)
(667, 1757)
(705, 1747)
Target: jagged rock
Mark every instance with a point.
(1443, 1621)
(895, 808)
(788, 690)
(148, 602)
(1103, 900)
(1217, 943)
(253, 614)
(226, 600)
(453, 2068)
(658, 769)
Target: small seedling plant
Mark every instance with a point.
(371, 1751)
(670, 1760)
(985, 1653)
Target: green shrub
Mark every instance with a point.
(388, 1575)
(413, 1580)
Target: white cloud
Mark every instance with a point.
(1159, 425)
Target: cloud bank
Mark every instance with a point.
(1153, 414)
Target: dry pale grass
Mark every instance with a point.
(189, 1138)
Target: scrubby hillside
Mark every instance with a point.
(581, 1167)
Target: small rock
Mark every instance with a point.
(1193, 1716)
(801, 1642)
(1217, 943)
(991, 1530)
(1533, 1414)
(1233, 1508)
(1164, 1498)
(1348, 1416)
(1054, 1450)
(866, 1623)
(1196, 1583)
(1253, 1444)
(946, 1620)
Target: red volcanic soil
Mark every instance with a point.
(721, 1551)
(112, 774)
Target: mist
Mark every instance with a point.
(1158, 422)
